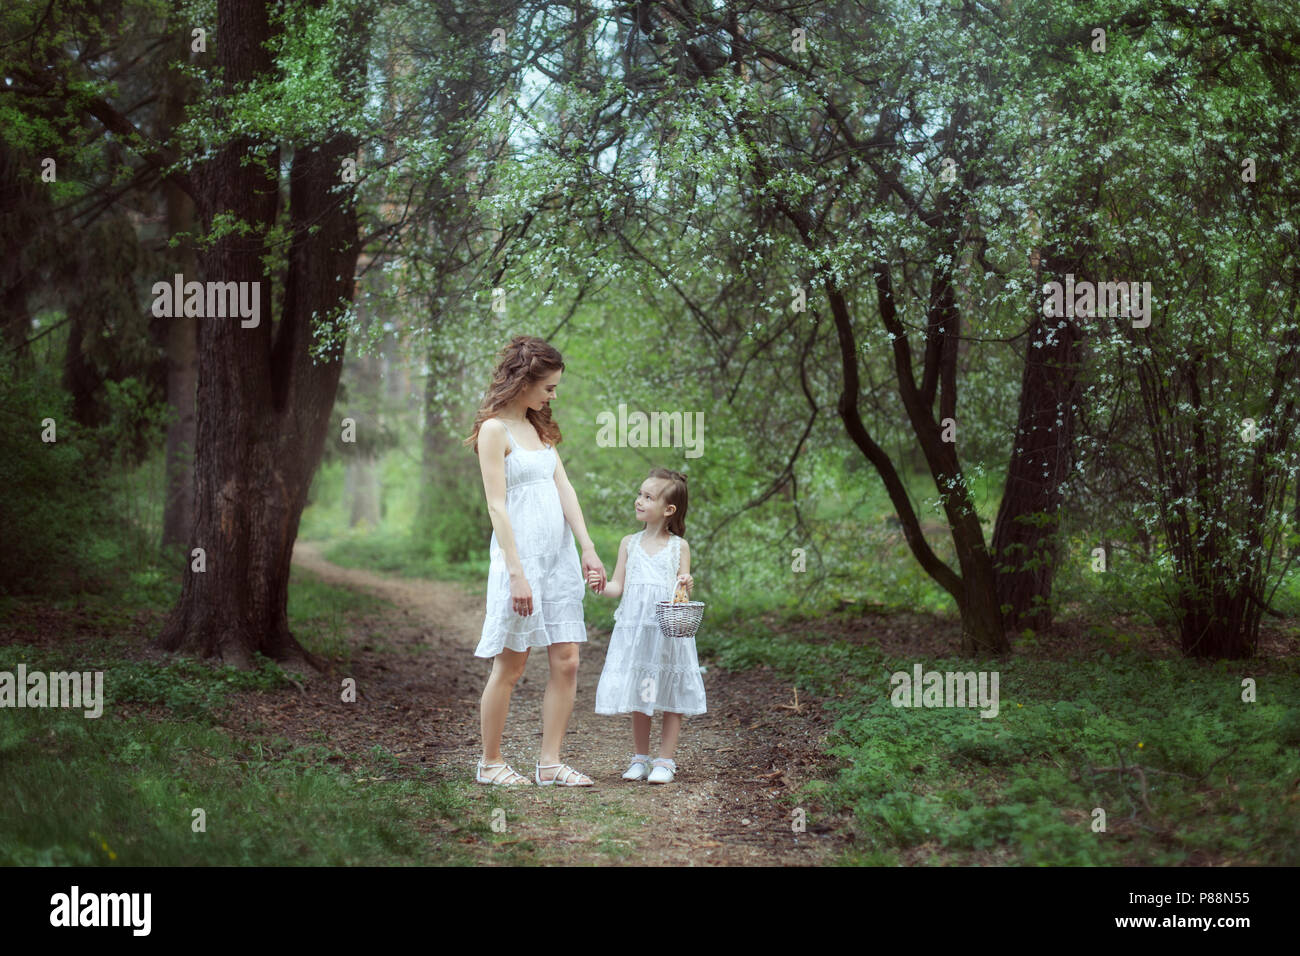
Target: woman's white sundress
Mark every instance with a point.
(644, 670)
(550, 561)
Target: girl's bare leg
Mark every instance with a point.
(507, 668)
(640, 732)
(668, 743)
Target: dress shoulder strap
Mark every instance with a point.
(509, 434)
(677, 556)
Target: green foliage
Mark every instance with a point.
(188, 688)
(1021, 787)
(267, 802)
(319, 615)
(120, 789)
(81, 507)
(454, 522)
(54, 500)
(401, 553)
(1288, 728)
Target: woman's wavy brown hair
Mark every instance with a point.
(674, 494)
(520, 365)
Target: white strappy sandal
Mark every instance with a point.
(505, 775)
(565, 776)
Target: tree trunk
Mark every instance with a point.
(451, 516)
(1025, 534)
(1215, 623)
(1295, 548)
(433, 444)
(182, 381)
(361, 460)
(362, 480)
(264, 402)
(182, 355)
(23, 205)
(975, 590)
(79, 377)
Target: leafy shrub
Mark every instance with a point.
(52, 493)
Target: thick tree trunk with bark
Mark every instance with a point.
(1025, 534)
(182, 382)
(264, 403)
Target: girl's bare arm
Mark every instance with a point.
(614, 586)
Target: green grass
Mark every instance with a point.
(947, 786)
(122, 789)
(126, 791)
(319, 615)
(399, 553)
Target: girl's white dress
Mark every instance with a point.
(549, 558)
(644, 670)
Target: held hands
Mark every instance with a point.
(595, 574)
(521, 593)
(593, 570)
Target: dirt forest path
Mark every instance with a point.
(419, 701)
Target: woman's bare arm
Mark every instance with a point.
(569, 502)
(573, 514)
(492, 443)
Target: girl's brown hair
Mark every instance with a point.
(674, 494)
(520, 365)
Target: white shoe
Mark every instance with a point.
(639, 768)
(502, 775)
(565, 776)
(662, 771)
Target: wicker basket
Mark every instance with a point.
(679, 618)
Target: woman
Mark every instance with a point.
(535, 583)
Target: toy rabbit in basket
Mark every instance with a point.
(652, 663)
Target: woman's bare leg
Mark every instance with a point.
(507, 668)
(557, 704)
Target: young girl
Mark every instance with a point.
(644, 670)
